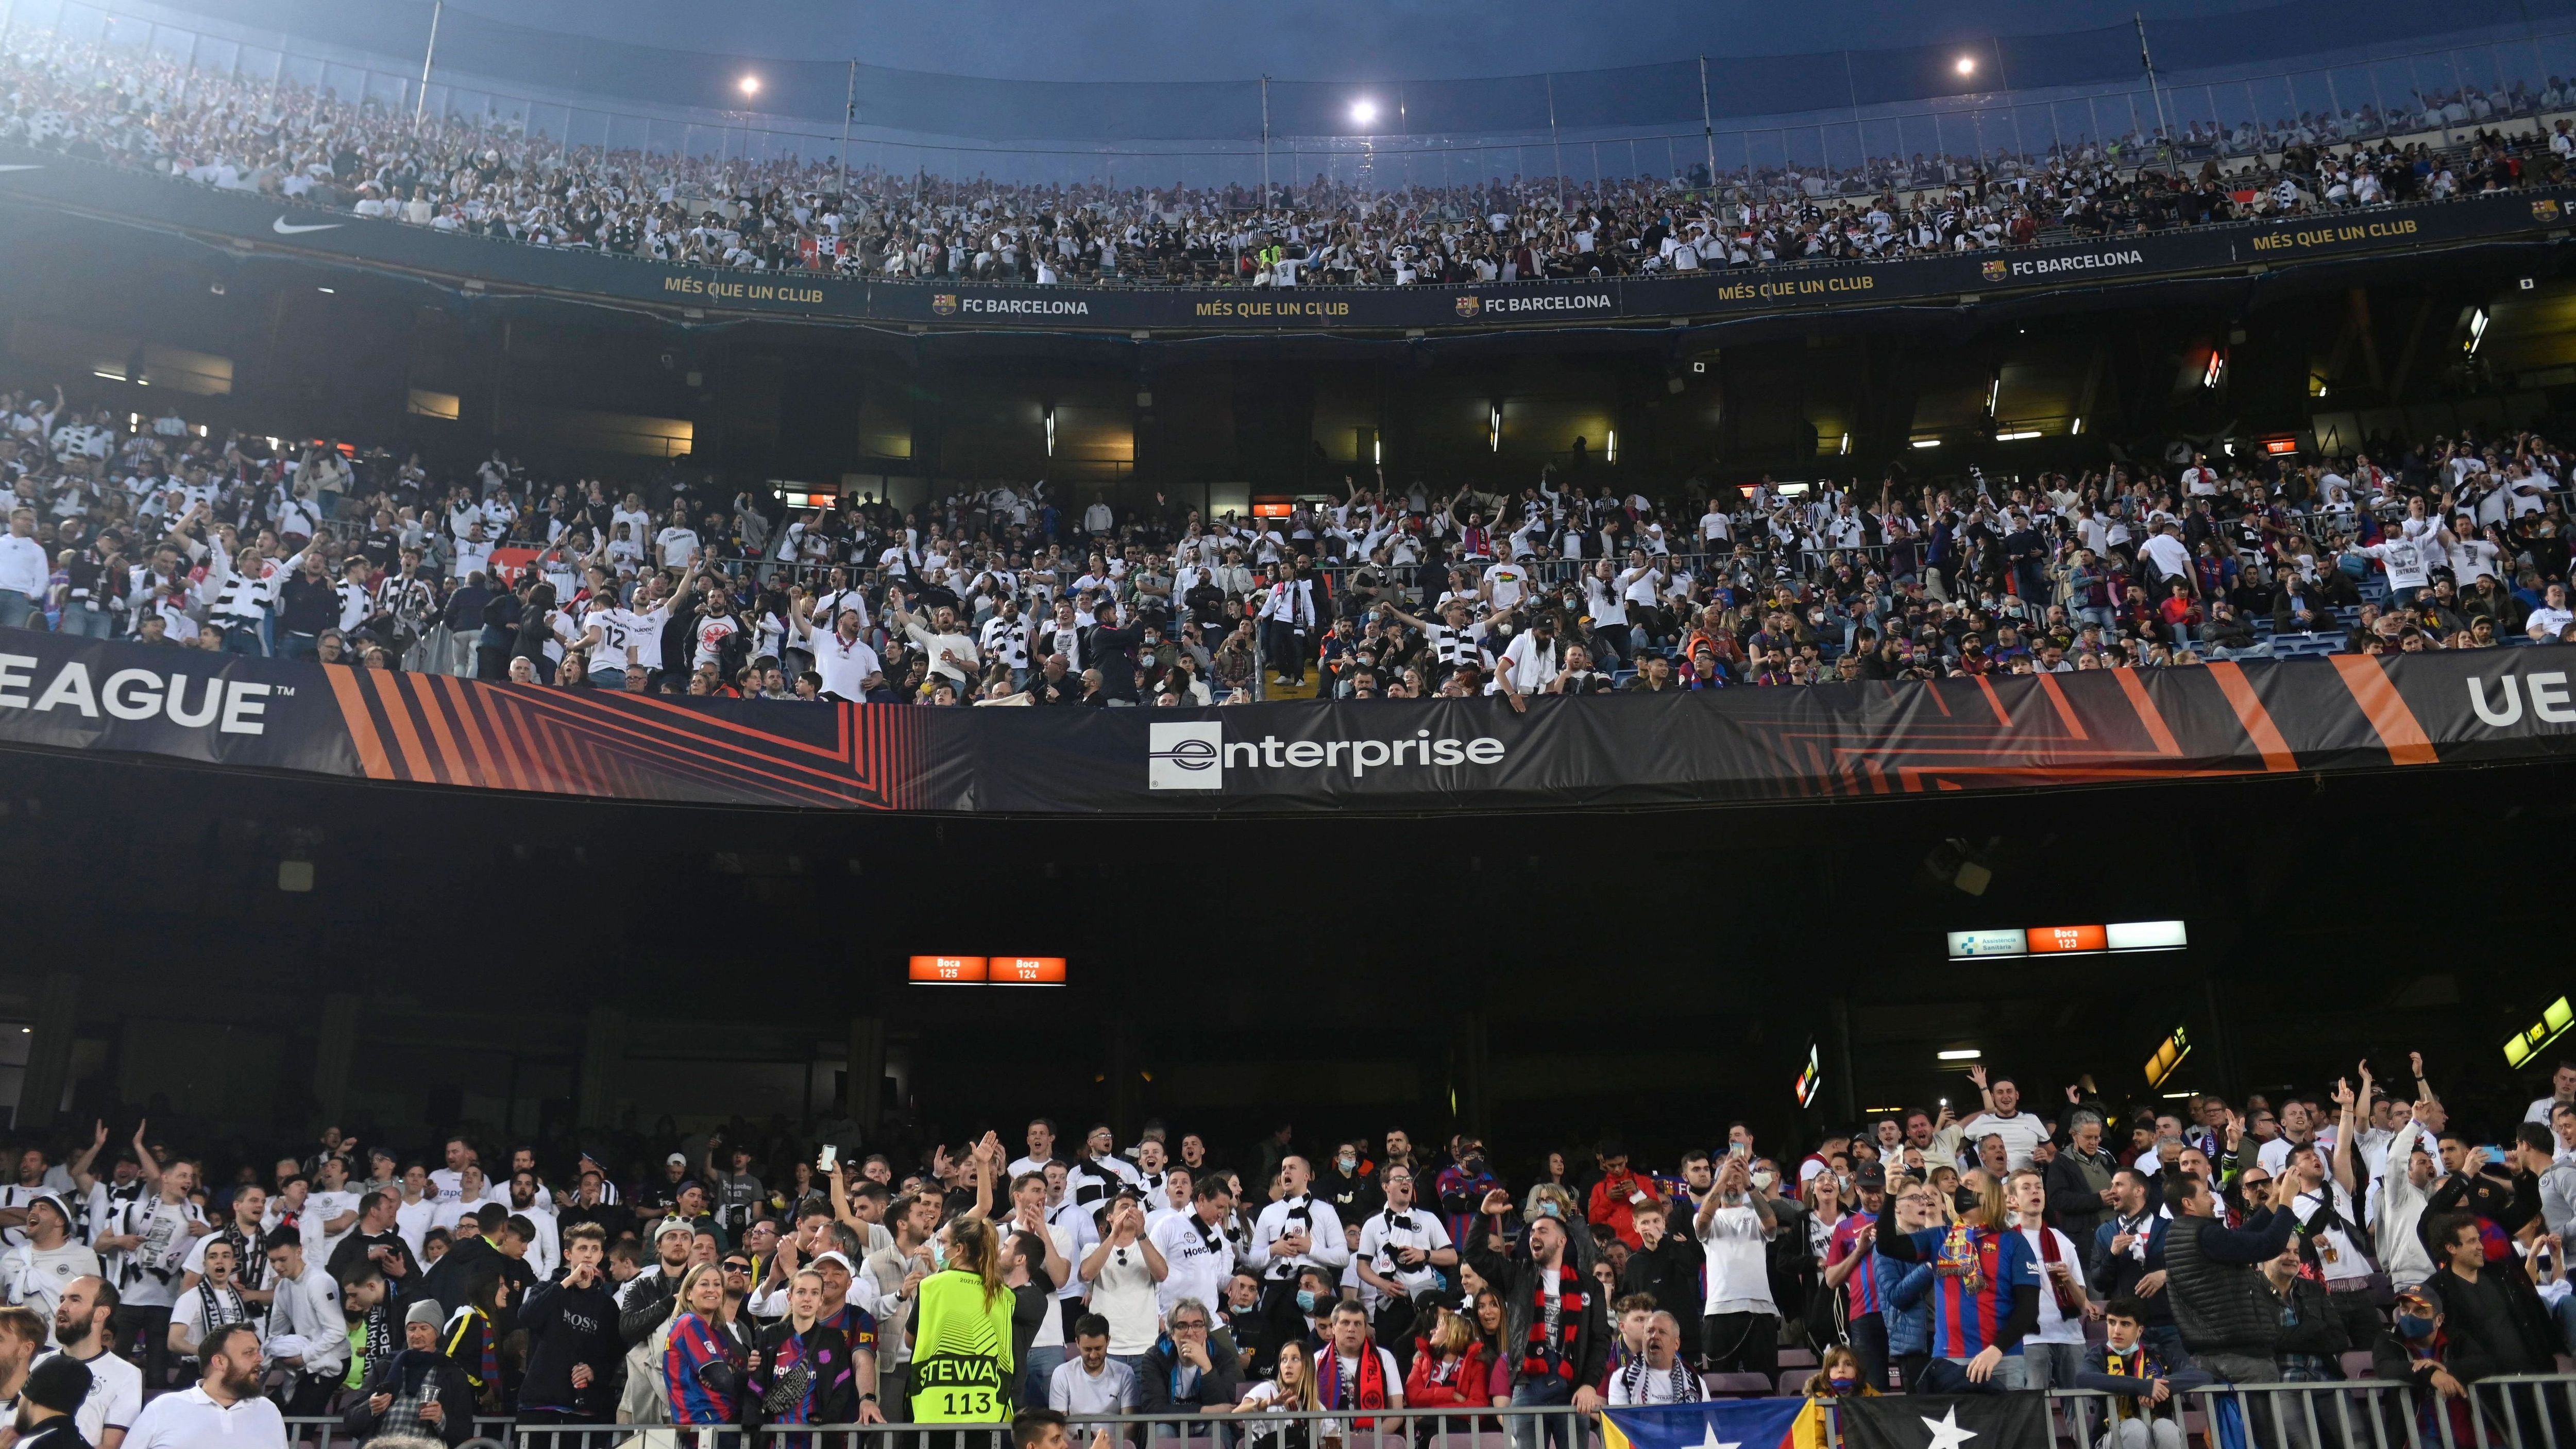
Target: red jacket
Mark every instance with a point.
(1617, 1210)
(1466, 1387)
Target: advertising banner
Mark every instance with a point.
(1712, 747)
(270, 224)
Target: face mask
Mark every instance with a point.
(1349, 1163)
(1305, 1300)
(2414, 1327)
(1842, 1384)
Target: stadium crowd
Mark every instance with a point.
(151, 528)
(743, 1277)
(492, 179)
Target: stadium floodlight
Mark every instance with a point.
(1363, 111)
(750, 85)
(1967, 65)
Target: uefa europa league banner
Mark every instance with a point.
(1713, 747)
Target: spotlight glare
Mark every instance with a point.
(1363, 112)
(1967, 65)
(751, 85)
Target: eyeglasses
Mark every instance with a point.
(1183, 1326)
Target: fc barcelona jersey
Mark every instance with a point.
(1978, 1277)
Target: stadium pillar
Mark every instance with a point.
(49, 1052)
(603, 1046)
(865, 1091)
(333, 1056)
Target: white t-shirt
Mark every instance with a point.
(1200, 1258)
(2541, 1110)
(1383, 1233)
(845, 669)
(36, 1278)
(115, 1394)
(201, 1310)
(1123, 1292)
(2022, 1133)
(1508, 581)
(1739, 1278)
(1073, 1390)
(157, 1261)
(414, 1220)
(319, 1209)
(190, 1420)
(2054, 1327)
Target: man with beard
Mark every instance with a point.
(22, 1337)
(53, 1390)
(224, 1409)
(115, 1387)
(37, 1269)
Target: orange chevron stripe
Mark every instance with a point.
(362, 725)
(398, 718)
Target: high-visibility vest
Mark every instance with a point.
(962, 1364)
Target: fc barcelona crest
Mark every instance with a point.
(1470, 306)
(944, 303)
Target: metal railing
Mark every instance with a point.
(2531, 1411)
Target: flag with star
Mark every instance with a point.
(1936, 1421)
(1715, 1424)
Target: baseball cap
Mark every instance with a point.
(1870, 1178)
(833, 1256)
(677, 1159)
(668, 1226)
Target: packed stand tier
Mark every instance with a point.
(480, 177)
(170, 533)
(760, 1277)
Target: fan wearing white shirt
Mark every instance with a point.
(1198, 1256)
(1101, 1172)
(1659, 1376)
(1296, 1231)
(1400, 1253)
(115, 1386)
(2562, 1083)
(223, 1411)
(2055, 1350)
(2021, 1131)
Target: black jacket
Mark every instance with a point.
(2490, 1327)
(455, 1395)
(449, 1279)
(1515, 1278)
(1669, 1274)
(645, 1303)
(353, 1251)
(1221, 1385)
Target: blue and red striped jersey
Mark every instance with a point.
(694, 1345)
(1978, 1276)
(1860, 1290)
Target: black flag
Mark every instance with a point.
(1933, 1421)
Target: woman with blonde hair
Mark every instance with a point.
(1985, 1292)
(1290, 1388)
(962, 1346)
(706, 1366)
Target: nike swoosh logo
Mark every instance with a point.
(23, 166)
(283, 227)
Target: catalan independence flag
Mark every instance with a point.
(1716, 1424)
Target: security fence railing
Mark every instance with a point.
(2532, 1411)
